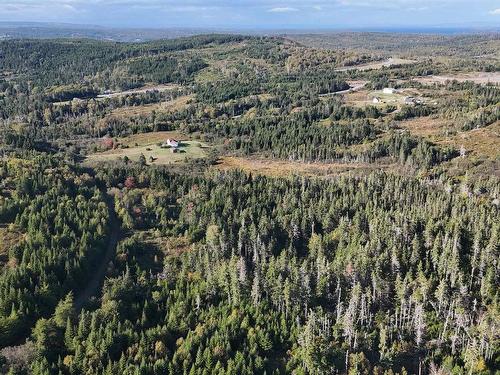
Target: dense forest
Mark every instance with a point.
(308, 276)
(63, 219)
(127, 246)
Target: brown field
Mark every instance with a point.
(482, 152)
(484, 142)
(8, 238)
(377, 65)
(357, 97)
(478, 77)
(283, 168)
(429, 127)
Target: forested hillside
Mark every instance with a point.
(225, 204)
(61, 221)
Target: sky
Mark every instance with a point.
(258, 14)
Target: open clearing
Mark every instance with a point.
(478, 142)
(167, 106)
(8, 238)
(377, 65)
(430, 127)
(147, 144)
(187, 149)
(362, 98)
(396, 98)
(482, 78)
(140, 90)
(282, 168)
(145, 139)
(359, 98)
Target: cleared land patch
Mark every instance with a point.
(383, 98)
(478, 77)
(167, 106)
(377, 65)
(8, 239)
(479, 142)
(141, 90)
(378, 98)
(430, 127)
(357, 98)
(144, 139)
(148, 144)
(283, 168)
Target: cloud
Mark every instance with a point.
(282, 10)
(403, 4)
(69, 7)
(418, 9)
(495, 12)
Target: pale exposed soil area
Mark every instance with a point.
(377, 65)
(141, 90)
(478, 77)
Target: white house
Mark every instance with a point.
(376, 100)
(172, 143)
(388, 90)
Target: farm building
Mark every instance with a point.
(171, 143)
(388, 90)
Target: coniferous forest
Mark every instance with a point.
(225, 204)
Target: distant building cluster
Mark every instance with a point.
(408, 100)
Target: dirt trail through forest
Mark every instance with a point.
(94, 285)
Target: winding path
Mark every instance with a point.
(94, 285)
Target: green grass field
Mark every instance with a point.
(148, 146)
(396, 98)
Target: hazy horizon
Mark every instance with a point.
(259, 14)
